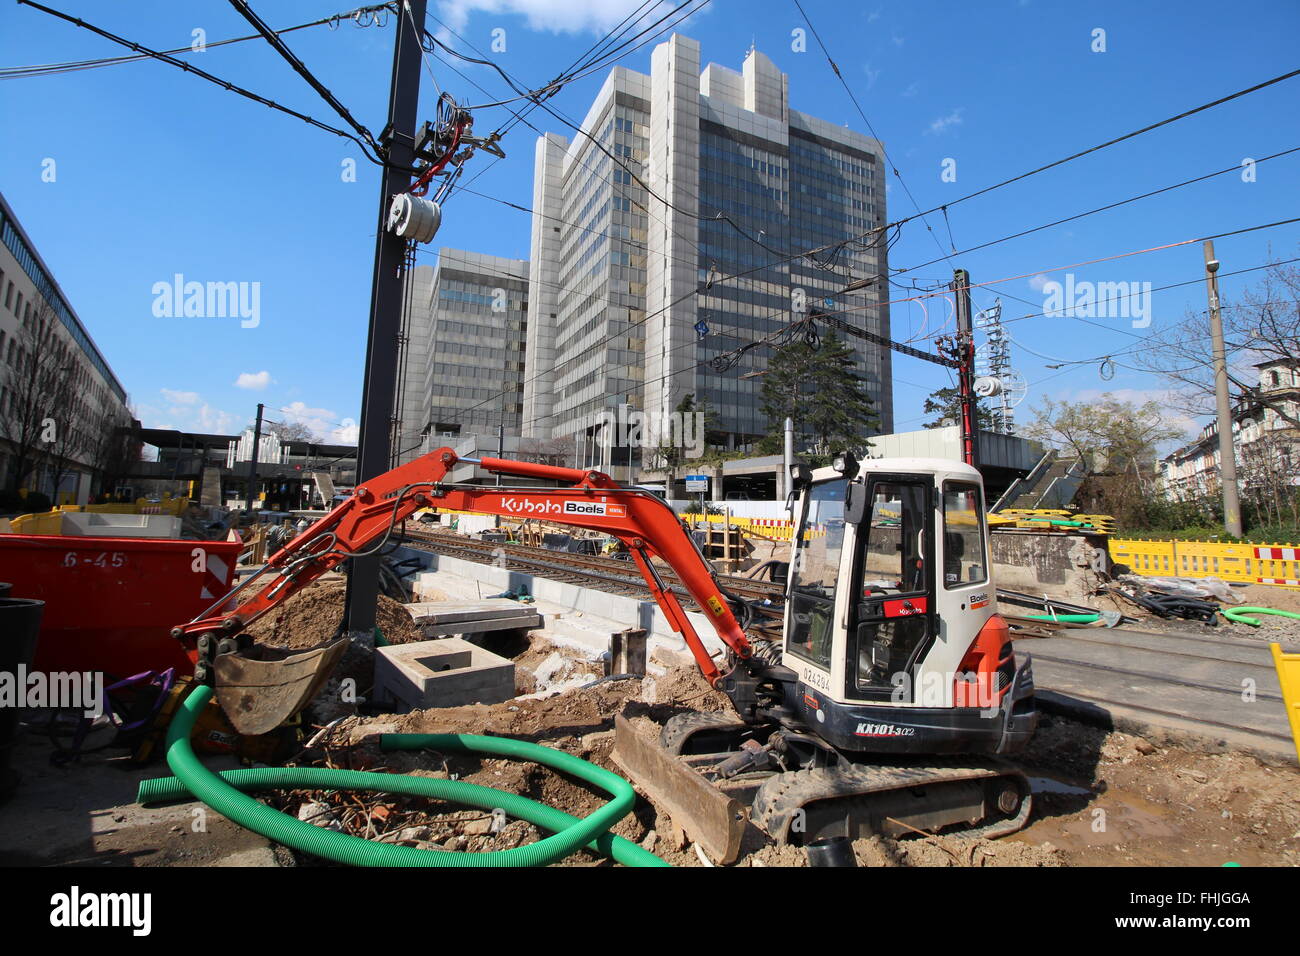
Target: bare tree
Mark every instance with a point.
(115, 445)
(1266, 472)
(36, 404)
(1264, 325)
(289, 431)
(545, 451)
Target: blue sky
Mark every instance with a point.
(159, 173)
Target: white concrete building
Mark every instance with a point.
(462, 362)
(58, 394)
(1267, 443)
(629, 289)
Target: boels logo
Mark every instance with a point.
(594, 508)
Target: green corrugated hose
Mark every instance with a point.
(1238, 615)
(222, 793)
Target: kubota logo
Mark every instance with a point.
(883, 730)
(528, 506)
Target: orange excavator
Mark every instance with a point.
(884, 708)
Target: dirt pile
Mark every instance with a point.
(313, 615)
(1100, 798)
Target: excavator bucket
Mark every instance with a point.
(261, 688)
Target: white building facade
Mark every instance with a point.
(58, 395)
(1266, 438)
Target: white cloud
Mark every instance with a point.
(216, 421)
(179, 398)
(872, 75)
(323, 423)
(1037, 282)
(188, 412)
(347, 433)
(941, 125)
(896, 39)
(255, 381)
(911, 90)
(554, 16)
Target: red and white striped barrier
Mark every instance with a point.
(1277, 554)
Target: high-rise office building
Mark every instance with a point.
(631, 290)
(462, 368)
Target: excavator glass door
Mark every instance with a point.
(891, 618)
(814, 571)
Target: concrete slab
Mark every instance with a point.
(438, 618)
(441, 673)
(1220, 689)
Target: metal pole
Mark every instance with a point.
(501, 448)
(252, 464)
(386, 297)
(1227, 447)
(783, 489)
(966, 373)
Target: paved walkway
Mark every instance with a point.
(1221, 688)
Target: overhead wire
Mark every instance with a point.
(203, 74)
(70, 66)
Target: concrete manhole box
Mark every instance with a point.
(442, 673)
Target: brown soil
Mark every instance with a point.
(1147, 805)
(313, 615)
(1101, 798)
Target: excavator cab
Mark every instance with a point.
(890, 613)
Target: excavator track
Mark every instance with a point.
(679, 731)
(799, 805)
(985, 797)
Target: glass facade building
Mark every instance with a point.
(632, 290)
(462, 368)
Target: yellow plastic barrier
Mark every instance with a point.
(46, 522)
(1247, 562)
(1288, 675)
(1154, 558)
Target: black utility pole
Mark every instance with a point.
(386, 294)
(966, 369)
(252, 464)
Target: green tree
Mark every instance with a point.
(820, 390)
(945, 405)
(673, 455)
(1116, 441)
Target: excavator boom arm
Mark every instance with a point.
(643, 522)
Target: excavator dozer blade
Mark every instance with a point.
(707, 815)
(261, 688)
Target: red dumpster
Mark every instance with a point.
(110, 603)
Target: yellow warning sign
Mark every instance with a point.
(715, 605)
(1288, 675)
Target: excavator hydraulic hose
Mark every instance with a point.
(223, 794)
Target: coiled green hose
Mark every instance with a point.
(222, 793)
